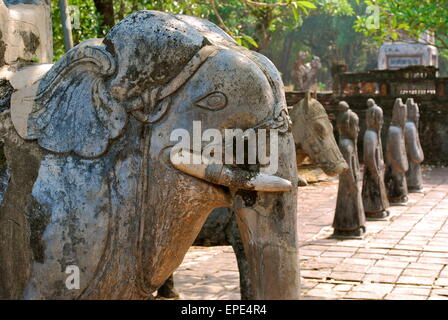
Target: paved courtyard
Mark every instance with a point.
(403, 258)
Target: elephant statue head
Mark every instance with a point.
(109, 201)
(313, 135)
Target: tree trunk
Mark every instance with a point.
(284, 68)
(106, 9)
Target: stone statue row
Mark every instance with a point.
(384, 183)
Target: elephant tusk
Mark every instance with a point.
(232, 177)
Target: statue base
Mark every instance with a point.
(398, 202)
(378, 216)
(349, 234)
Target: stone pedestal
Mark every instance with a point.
(25, 32)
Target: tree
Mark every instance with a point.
(391, 19)
(106, 9)
(328, 34)
(251, 23)
(90, 24)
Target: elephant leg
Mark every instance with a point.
(211, 231)
(234, 238)
(268, 225)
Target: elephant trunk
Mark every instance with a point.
(266, 210)
(268, 226)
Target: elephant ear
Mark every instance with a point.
(73, 111)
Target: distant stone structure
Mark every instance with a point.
(396, 55)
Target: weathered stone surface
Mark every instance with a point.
(105, 195)
(219, 229)
(18, 210)
(374, 194)
(6, 91)
(414, 150)
(396, 159)
(23, 82)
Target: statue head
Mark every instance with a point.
(343, 106)
(313, 135)
(349, 125)
(139, 70)
(374, 116)
(399, 114)
(370, 102)
(413, 111)
(315, 63)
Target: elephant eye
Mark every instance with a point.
(214, 101)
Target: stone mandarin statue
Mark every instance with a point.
(396, 158)
(93, 185)
(414, 150)
(374, 194)
(349, 218)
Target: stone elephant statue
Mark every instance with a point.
(313, 136)
(97, 207)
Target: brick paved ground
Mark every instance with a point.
(403, 258)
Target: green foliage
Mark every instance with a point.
(328, 34)
(251, 23)
(409, 17)
(90, 24)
